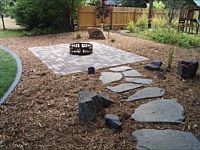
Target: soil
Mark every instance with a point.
(41, 113)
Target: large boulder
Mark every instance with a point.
(89, 104)
(187, 69)
(96, 33)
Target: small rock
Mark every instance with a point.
(113, 121)
(91, 70)
(154, 65)
(161, 76)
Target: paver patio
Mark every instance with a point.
(61, 62)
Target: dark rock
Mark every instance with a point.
(154, 65)
(161, 76)
(187, 69)
(96, 33)
(160, 111)
(89, 104)
(91, 70)
(149, 92)
(113, 121)
(86, 106)
(152, 139)
(123, 87)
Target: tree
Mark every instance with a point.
(103, 11)
(133, 3)
(47, 15)
(150, 15)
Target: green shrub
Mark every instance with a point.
(142, 22)
(157, 5)
(112, 39)
(173, 37)
(131, 26)
(159, 22)
(78, 36)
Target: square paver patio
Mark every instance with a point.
(61, 62)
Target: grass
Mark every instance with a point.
(8, 71)
(12, 33)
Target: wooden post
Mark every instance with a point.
(150, 13)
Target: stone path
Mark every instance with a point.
(61, 62)
(156, 111)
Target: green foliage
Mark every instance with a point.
(159, 22)
(48, 15)
(103, 10)
(170, 58)
(112, 39)
(78, 36)
(173, 37)
(8, 71)
(133, 3)
(157, 5)
(131, 26)
(142, 22)
(13, 33)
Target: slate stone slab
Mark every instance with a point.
(149, 92)
(89, 104)
(151, 139)
(139, 80)
(108, 77)
(131, 73)
(123, 87)
(113, 121)
(121, 68)
(160, 111)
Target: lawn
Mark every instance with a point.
(8, 70)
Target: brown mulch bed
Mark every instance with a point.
(42, 112)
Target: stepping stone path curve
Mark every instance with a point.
(157, 111)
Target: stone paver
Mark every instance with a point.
(123, 87)
(121, 68)
(61, 62)
(149, 92)
(108, 77)
(139, 80)
(160, 111)
(151, 139)
(131, 73)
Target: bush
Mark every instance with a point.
(159, 22)
(131, 26)
(173, 37)
(142, 22)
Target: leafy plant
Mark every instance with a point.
(142, 22)
(112, 39)
(78, 36)
(131, 26)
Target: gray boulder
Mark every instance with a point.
(113, 121)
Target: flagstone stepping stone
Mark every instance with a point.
(108, 77)
(123, 87)
(139, 80)
(121, 68)
(131, 73)
(112, 121)
(151, 139)
(160, 111)
(149, 92)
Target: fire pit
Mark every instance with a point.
(81, 48)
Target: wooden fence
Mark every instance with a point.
(118, 19)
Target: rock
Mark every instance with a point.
(149, 92)
(86, 106)
(108, 77)
(139, 80)
(151, 139)
(160, 111)
(96, 33)
(121, 68)
(187, 69)
(91, 70)
(123, 87)
(154, 65)
(161, 76)
(89, 104)
(113, 121)
(131, 73)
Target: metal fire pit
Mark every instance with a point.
(81, 48)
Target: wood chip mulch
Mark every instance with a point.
(41, 113)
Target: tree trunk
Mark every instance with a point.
(2, 17)
(150, 13)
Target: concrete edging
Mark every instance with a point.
(18, 75)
